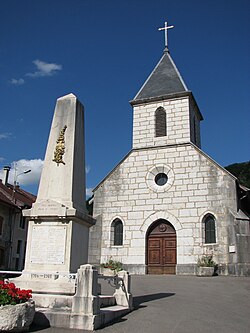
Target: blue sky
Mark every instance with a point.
(103, 51)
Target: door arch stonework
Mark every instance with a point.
(160, 215)
(161, 248)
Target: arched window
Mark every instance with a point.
(2, 257)
(209, 227)
(117, 232)
(1, 225)
(160, 122)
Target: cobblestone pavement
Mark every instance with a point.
(183, 304)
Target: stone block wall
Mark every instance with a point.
(196, 186)
(177, 121)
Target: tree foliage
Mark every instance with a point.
(241, 171)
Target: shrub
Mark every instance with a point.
(114, 265)
(206, 261)
(11, 295)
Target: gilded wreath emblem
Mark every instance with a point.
(60, 147)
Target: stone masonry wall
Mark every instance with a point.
(196, 186)
(178, 127)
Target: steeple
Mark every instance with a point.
(165, 81)
(165, 111)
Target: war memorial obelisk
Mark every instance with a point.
(58, 230)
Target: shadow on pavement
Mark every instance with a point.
(36, 328)
(137, 304)
(138, 300)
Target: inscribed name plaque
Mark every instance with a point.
(48, 245)
(48, 208)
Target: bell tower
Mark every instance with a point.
(165, 111)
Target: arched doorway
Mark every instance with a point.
(161, 248)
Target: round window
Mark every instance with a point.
(161, 179)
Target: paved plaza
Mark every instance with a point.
(183, 304)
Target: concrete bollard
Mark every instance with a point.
(122, 293)
(86, 300)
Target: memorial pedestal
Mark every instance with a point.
(56, 247)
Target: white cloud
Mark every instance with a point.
(17, 82)
(21, 166)
(87, 169)
(5, 135)
(44, 69)
(89, 192)
(32, 177)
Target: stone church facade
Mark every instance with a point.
(167, 203)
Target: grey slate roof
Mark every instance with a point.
(164, 80)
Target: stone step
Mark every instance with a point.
(64, 318)
(112, 312)
(107, 300)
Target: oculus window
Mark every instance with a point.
(161, 179)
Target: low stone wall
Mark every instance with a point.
(85, 311)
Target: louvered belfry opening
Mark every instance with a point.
(160, 122)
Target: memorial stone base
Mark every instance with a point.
(57, 246)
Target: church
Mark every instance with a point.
(167, 203)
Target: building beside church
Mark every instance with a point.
(13, 226)
(167, 203)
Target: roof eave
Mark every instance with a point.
(9, 204)
(159, 98)
(117, 165)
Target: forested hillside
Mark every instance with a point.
(241, 171)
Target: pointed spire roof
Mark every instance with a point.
(165, 80)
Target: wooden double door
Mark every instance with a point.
(161, 248)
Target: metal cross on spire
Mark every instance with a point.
(166, 32)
